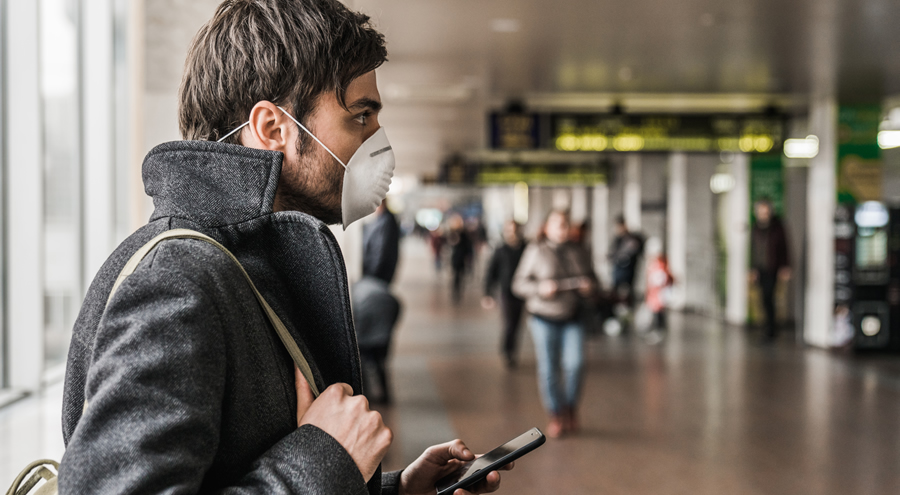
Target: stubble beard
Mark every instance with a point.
(313, 184)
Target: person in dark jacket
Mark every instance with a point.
(623, 254)
(769, 260)
(178, 383)
(381, 245)
(499, 275)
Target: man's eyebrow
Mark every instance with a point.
(374, 105)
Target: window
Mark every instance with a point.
(3, 333)
(61, 122)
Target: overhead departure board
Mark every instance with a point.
(619, 132)
(691, 133)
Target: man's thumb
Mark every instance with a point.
(304, 395)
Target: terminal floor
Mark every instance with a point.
(703, 412)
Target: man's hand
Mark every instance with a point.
(348, 420)
(438, 461)
(547, 288)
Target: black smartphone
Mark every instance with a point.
(472, 472)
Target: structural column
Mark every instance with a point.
(676, 226)
(632, 193)
(737, 240)
(600, 232)
(821, 200)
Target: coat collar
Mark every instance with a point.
(210, 183)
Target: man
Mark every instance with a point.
(769, 260)
(499, 274)
(381, 245)
(178, 384)
(623, 254)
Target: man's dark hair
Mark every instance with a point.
(288, 52)
(620, 219)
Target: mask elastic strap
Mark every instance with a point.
(232, 132)
(313, 136)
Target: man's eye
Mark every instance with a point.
(362, 119)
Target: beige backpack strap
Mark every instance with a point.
(280, 329)
(38, 471)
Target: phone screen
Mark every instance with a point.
(494, 459)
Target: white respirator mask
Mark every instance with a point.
(367, 176)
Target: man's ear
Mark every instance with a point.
(269, 128)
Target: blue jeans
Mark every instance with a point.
(558, 346)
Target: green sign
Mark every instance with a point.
(859, 157)
(767, 180)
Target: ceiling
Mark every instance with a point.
(452, 60)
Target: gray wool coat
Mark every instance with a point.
(189, 389)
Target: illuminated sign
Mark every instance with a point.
(458, 172)
(691, 133)
(515, 131)
(541, 175)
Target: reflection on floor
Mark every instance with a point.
(703, 412)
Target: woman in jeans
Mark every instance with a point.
(555, 277)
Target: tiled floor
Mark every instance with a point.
(702, 412)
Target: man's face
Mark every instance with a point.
(311, 179)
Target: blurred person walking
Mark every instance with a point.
(659, 280)
(375, 313)
(623, 254)
(499, 275)
(461, 252)
(375, 308)
(381, 245)
(769, 260)
(436, 243)
(555, 278)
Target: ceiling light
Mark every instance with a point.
(505, 25)
(801, 148)
(889, 139)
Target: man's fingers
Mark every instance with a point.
(304, 394)
(448, 451)
(489, 485)
(458, 450)
(340, 389)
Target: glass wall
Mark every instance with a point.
(121, 128)
(3, 333)
(60, 94)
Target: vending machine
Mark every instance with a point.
(875, 306)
